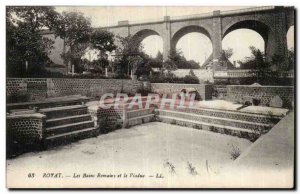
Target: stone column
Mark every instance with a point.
(166, 36)
(277, 43)
(216, 35)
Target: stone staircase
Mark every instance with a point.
(68, 123)
(235, 123)
(139, 116)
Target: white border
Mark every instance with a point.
(111, 3)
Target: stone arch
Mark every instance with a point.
(290, 36)
(185, 30)
(258, 26)
(142, 34)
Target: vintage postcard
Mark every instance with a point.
(150, 97)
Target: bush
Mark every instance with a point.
(18, 97)
(143, 91)
(171, 78)
(86, 76)
(235, 152)
(121, 76)
(190, 79)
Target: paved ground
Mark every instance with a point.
(170, 150)
(268, 162)
(219, 104)
(265, 110)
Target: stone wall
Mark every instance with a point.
(26, 129)
(39, 89)
(202, 74)
(264, 94)
(204, 90)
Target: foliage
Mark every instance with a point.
(267, 73)
(75, 29)
(291, 59)
(102, 40)
(192, 169)
(18, 97)
(191, 73)
(24, 40)
(130, 56)
(35, 17)
(171, 78)
(128, 48)
(169, 65)
(257, 60)
(224, 58)
(180, 61)
(189, 79)
(235, 152)
(77, 32)
(156, 62)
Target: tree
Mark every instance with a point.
(180, 61)
(75, 29)
(291, 59)
(169, 65)
(25, 41)
(265, 72)
(224, 58)
(256, 60)
(128, 53)
(159, 56)
(36, 18)
(102, 40)
(191, 73)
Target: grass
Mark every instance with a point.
(192, 169)
(170, 166)
(235, 152)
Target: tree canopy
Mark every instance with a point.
(24, 39)
(181, 62)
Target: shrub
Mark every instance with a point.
(171, 78)
(18, 97)
(197, 126)
(235, 152)
(253, 136)
(143, 91)
(173, 122)
(213, 129)
(121, 76)
(190, 79)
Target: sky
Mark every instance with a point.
(194, 46)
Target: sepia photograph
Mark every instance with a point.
(150, 97)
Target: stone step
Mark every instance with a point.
(66, 138)
(50, 102)
(140, 120)
(235, 131)
(73, 133)
(64, 111)
(216, 120)
(236, 115)
(68, 120)
(139, 112)
(68, 128)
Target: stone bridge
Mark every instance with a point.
(272, 23)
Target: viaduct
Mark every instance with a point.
(271, 22)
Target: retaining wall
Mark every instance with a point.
(243, 93)
(41, 88)
(205, 90)
(27, 128)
